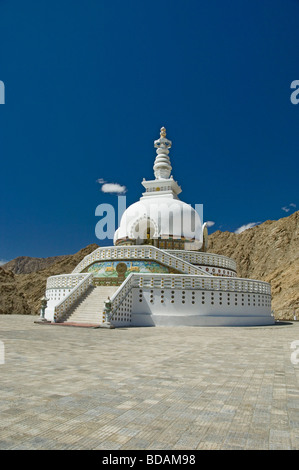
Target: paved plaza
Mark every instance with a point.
(147, 388)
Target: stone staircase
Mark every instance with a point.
(89, 308)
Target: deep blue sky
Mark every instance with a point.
(89, 84)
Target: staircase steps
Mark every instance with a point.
(89, 308)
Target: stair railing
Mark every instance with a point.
(61, 309)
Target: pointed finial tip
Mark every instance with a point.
(162, 132)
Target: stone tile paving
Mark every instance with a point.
(148, 388)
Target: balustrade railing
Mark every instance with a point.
(205, 259)
(140, 252)
(65, 281)
(119, 296)
(65, 304)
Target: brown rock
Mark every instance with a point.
(12, 300)
(26, 265)
(269, 252)
(21, 293)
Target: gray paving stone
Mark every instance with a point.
(147, 388)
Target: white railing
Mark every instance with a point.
(140, 252)
(183, 282)
(119, 296)
(205, 259)
(64, 281)
(63, 306)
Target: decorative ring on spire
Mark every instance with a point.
(163, 142)
(162, 166)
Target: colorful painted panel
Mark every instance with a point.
(116, 268)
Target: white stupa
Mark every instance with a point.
(158, 272)
(159, 217)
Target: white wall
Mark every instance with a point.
(170, 307)
(54, 296)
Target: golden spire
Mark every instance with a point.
(163, 132)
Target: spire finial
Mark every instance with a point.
(162, 142)
(162, 166)
(163, 132)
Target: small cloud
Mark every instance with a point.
(3, 261)
(289, 207)
(245, 227)
(113, 188)
(210, 223)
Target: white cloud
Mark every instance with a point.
(3, 261)
(246, 226)
(113, 188)
(289, 207)
(210, 223)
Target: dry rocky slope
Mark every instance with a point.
(269, 252)
(27, 265)
(30, 287)
(12, 300)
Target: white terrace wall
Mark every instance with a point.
(187, 300)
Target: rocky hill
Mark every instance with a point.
(12, 300)
(27, 265)
(21, 293)
(269, 252)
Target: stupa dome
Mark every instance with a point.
(160, 218)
